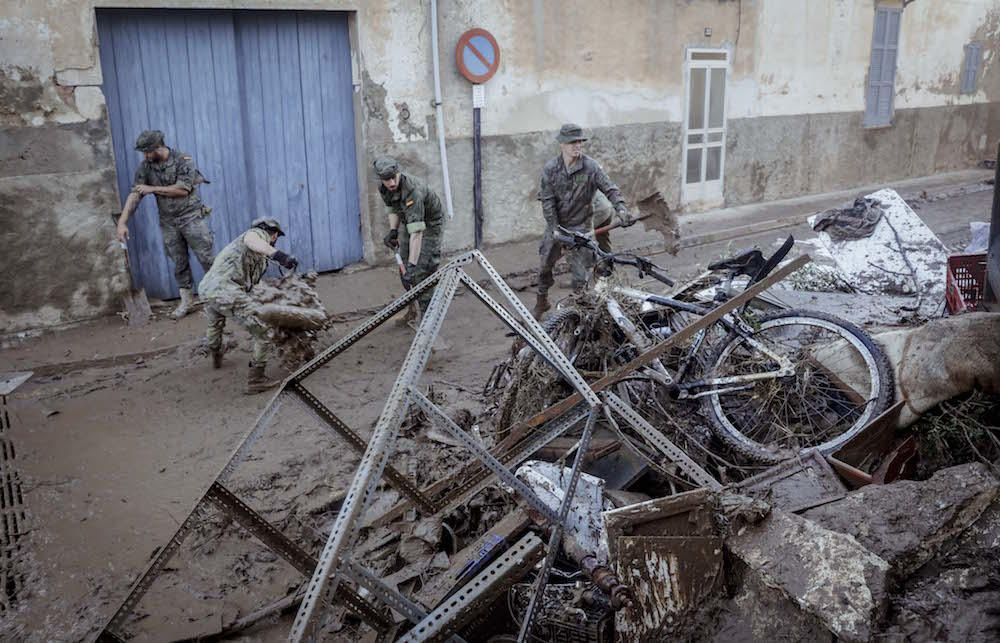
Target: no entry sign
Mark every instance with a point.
(477, 55)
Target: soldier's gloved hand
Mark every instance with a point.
(391, 239)
(626, 218)
(409, 277)
(286, 261)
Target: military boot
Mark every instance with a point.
(541, 305)
(184, 307)
(257, 381)
(216, 357)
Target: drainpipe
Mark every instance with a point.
(439, 112)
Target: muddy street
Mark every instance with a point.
(121, 430)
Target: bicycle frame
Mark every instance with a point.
(733, 322)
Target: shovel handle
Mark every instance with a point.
(617, 224)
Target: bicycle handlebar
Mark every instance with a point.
(645, 266)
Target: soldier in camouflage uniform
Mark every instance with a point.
(225, 287)
(416, 223)
(173, 177)
(568, 188)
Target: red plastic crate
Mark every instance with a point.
(965, 282)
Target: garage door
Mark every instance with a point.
(263, 102)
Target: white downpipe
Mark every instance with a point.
(439, 112)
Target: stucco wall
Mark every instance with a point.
(796, 95)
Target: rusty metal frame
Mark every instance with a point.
(499, 575)
(524, 439)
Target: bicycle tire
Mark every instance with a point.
(553, 325)
(877, 394)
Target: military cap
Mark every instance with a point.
(570, 133)
(386, 167)
(268, 225)
(149, 140)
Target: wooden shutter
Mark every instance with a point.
(882, 69)
(970, 67)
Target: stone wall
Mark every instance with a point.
(796, 92)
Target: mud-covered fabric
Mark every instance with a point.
(567, 193)
(181, 236)
(242, 309)
(235, 271)
(178, 169)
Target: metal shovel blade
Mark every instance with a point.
(655, 214)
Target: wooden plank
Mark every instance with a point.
(871, 442)
(316, 152)
(289, 85)
(338, 117)
(154, 272)
(248, 55)
(231, 201)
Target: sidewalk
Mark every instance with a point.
(109, 341)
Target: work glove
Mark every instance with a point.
(625, 217)
(409, 277)
(391, 239)
(286, 261)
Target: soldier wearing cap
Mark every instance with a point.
(225, 287)
(173, 177)
(569, 184)
(416, 223)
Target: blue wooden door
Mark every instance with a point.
(263, 102)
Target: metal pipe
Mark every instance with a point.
(477, 177)
(439, 112)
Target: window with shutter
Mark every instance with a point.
(882, 69)
(970, 67)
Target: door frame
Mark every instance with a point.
(704, 194)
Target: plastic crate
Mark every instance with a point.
(965, 282)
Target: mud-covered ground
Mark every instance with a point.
(113, 452)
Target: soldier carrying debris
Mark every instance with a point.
(568, 185)
(238, 268)
(173, 177)
(417, 242)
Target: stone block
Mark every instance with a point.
(830, 577)
(908, 522)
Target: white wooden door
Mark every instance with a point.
(703, 160)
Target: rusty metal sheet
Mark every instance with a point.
(797, 484)
(683, 514)
(670, 576)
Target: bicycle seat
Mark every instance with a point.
(746, 262)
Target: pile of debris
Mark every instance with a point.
(292, 308)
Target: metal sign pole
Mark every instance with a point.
(477, 165)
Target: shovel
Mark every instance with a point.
(655, 214)
(414, 308)
(136, 303)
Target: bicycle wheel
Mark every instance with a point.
(842, 380)
(561, 327)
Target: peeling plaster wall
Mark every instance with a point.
(796, 96)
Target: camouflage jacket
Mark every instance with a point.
(418, 207)
(180, 169)
(235, 270)
(566, 193)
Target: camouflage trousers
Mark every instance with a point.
(241, 308)
(581, 261)
(427, 265)
(179, 237)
